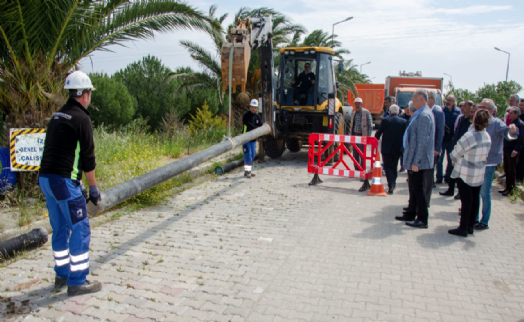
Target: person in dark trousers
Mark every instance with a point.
(419, 145)
(392, 131)
(512, 149)
(69, 151)
(451, 112)
(520, 164)
(251, 121)
(469, 166)
(406, 115)
(463, 124)
(438, 114)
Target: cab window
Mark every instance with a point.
(325, 78)
(296, 91)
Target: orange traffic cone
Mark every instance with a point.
(377, 187)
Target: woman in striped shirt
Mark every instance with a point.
(469, 160)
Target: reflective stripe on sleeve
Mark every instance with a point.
(62, 262)
(79, 267)
(61, 253)
(79, 258)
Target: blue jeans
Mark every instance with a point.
(446, 147)
(71, 232)
(485, 195)
(250, 150)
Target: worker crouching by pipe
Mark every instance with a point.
(251, 121)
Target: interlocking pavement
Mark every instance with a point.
(272, 248)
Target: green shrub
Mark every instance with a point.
(204, 121)
(111, 102)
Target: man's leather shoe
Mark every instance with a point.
(86, 288)
(506, 193)
(416, 224)
(60, 282)
(405, 217)
(457, 197)
(458, 232)
(480, 226)
(502, 191)
(446, 193)
(390, 191)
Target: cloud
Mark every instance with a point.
(472, 10)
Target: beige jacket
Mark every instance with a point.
(366, 130)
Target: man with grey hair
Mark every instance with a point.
(392, 131)
(512, 149)
(419, 147)
(498, 132)
(513, 101)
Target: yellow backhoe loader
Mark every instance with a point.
(297, 99)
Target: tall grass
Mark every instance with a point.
(131, 151)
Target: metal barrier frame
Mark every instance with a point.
(315, 151)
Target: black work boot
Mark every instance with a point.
(248, 174)
(86, 288)
(60, 282)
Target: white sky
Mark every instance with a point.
(435, 37)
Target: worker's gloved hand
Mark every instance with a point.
(84, 190)
(94, 195)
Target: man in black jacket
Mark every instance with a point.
(463, 123)
(392, 131)
(69, 150)
(511, 150)
(251, 121)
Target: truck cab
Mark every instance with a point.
(404, 95)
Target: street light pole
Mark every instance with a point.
(450, 77)
(507, 70)
(363, 65)
(333, 31)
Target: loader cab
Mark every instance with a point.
(298, 89)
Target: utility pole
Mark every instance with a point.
(507, 69)
(333, 30)
(363, 65)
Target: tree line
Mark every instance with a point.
(42, 41)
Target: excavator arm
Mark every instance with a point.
(251, 34)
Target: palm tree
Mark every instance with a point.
(319, 38)
(348, 78)
(41, 41)
(209, 60)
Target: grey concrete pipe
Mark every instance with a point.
(120, 193)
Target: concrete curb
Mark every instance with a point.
(100, 219)
(502, 181)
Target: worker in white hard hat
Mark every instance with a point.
(251, 121)
(361, 125)
(69, 151)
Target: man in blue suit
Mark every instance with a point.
(419, 148)
(392, 131)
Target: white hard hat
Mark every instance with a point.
(254, 102)
(358, 99)
(78, 80)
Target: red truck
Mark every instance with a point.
(401, 87)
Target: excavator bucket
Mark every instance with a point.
(241, 56)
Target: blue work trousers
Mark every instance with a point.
(71, 232)
(250, 150)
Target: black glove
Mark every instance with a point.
(94, 195)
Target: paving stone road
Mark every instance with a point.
(272, 248)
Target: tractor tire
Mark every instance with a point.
(293, 145)
(274, 148)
